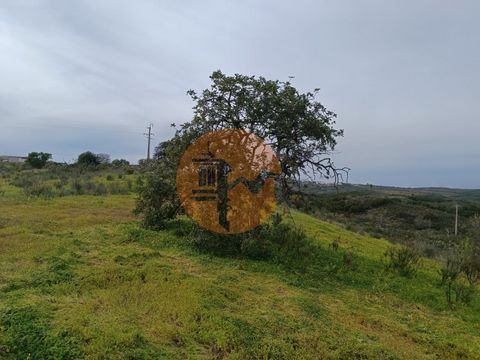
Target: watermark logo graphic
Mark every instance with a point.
(226, 181)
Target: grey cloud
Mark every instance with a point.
(402, 75)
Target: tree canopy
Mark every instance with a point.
(298, 127)
(38, 160)
(88, 158)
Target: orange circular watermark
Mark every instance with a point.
(226, 181)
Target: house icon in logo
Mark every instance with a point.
(226, 181)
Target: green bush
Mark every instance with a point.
(157, 200)
(403, 260)
(290, 245)
(22, 181)
(279, 242)
(457, 291)
(459, 275)
(37, 189)
(135, 235)
(100, 189)
(77, 186)
(38, 160)
(349, 260)
(115, 188)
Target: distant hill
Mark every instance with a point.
(425, 216)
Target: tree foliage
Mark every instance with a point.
(38, 160)
(298, 127)
(103, 158)
(157, 199)
(120, 162)
(89, 158)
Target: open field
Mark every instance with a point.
(80, 279)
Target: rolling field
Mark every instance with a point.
(80, 279)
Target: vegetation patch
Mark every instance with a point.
(29, 335)
(404, 260)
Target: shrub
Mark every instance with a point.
(90, 187)
(464, 293)
(117, 188)
(281, 243)
(77, 186)
(22, 181)
(403, 260)
(209, 242)
(58, 185)
(100, 190)
(471, 270)
(349, 260)
(38, 160)
(335, 244)
(291, 246)
(450, 273)
(157, 200)
(37, 189)
(120, 162)
(109, 177)
(457, 290)
(88, 158)
(134, 234)
(460, 275)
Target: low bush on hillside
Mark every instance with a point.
(460, 274)
(280, 242)
(403, 260)
(37, 189)
(157, 201)
(46, 185)
(66, 180)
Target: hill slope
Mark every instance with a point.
(425, 216)
(79, 278)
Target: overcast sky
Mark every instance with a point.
(403, 76)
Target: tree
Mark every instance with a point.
(120, 162)
(157, 199)
(88, 158)
(298, 127)
(103, 158)
(38, 159)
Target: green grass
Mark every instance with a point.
(80, 279)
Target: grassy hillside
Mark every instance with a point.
(80, 279)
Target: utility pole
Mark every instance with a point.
(149, 135)
(456, 220)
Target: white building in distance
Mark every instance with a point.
(12, 159)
